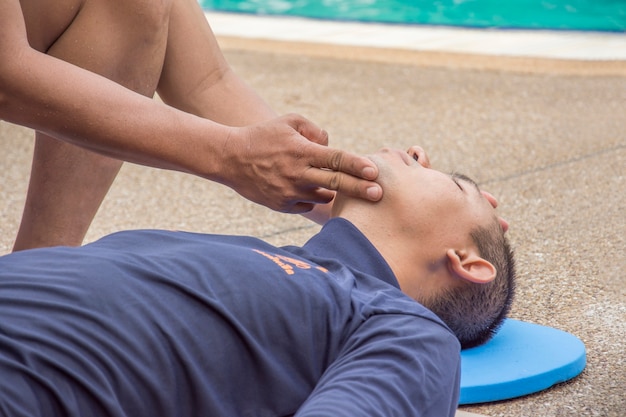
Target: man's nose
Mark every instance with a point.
(492, 200)
(419, 154)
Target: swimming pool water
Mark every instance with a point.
(595, 15)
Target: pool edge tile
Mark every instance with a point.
(565, 45)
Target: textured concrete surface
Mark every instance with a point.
(551, 146)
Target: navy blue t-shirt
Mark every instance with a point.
(156, 323)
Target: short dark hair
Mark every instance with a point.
(475, 312)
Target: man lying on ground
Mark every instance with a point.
(365, 319)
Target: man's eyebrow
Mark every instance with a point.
(462, 177)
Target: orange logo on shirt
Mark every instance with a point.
(287, 264)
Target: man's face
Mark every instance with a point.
(437, 206)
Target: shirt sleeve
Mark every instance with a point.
(393, 365)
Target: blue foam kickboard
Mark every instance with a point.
(522, 358)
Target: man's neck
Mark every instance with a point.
(412, 261)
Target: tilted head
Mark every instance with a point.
(442, 238)
(474, 311)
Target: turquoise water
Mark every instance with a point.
(594, 15)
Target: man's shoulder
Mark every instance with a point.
(410, 320)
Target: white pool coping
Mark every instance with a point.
(593, 46)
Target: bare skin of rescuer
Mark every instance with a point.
(82, 74)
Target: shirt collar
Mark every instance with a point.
(339, 239)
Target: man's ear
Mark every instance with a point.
(470, 266)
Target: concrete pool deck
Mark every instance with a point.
(545, 134)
